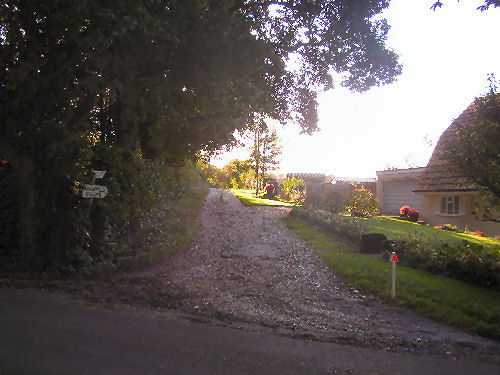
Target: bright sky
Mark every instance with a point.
(446, 56)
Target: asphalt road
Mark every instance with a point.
(47, 333)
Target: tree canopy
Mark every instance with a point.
(179, 76)
(474, 145)
(88, 84)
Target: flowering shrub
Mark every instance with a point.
(413, 215)
(269, 189)
(408, 213)
(404, 210)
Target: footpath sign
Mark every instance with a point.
(393, 259)
(94, 191)
(99, 174)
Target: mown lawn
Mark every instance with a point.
(451, 301)
(395, 229)
(248, 198)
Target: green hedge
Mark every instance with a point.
(463, 261)
(151, 208)
(339, 225)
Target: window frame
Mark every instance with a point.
(450, 205)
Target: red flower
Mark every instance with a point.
(478, 233)
(413, 215)
(404, 210)
(269, 188)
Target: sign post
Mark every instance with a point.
(95, 191)
(99, 174)
(393, 258)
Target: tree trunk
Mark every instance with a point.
(27, 223)
(257, 157)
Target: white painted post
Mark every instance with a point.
(393, 295)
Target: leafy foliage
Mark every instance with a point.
(342, 226)
(236, 174)
(266, 149)
(361, 202)
(293, 189)
(482, 8)
(135, 86)
(331, 201)
(464, 261)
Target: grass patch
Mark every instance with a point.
(397, 229)
(248, 198)
(454, 302)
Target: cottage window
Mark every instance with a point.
(450, 205)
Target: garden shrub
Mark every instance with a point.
(331, 201)
(450, 227)
(293, 189)
(141, 216)
(463, 261)
(362, 203)
(339, 225)
(413, 215)
(408, 213)
(403, 211)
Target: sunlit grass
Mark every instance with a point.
(451, 301)
(395, 229)
(248, 198)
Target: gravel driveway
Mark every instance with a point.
(246, 270)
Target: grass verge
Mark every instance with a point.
(395, 229)
(248, 198)
(472, 308)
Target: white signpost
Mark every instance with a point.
(99, 174)
(94, 191)
(393, 258)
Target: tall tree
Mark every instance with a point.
(271, 151)
(265, 149)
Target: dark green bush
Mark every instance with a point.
(331, 201)
(339, 225)
(144, 212)
(463, 261)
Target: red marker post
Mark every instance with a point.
(393, 258)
